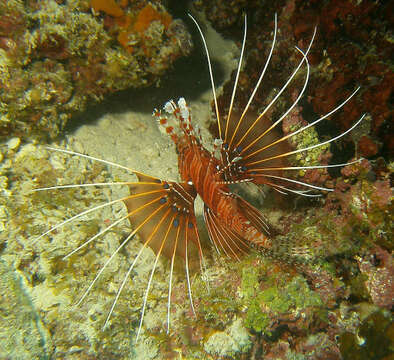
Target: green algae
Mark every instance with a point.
(273, 296)
(218, 302)
(257, 291)
(256, 319)
(305, 139)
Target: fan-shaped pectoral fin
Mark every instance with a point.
(148, 203)
(163, 215)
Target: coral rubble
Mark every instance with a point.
(56, 57)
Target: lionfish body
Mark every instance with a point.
(230, 226)
(248, 150)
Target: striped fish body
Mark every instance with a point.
(224, 211)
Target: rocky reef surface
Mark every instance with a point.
(333, 300)
(345, 240)
(57, 57)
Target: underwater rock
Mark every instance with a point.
(379, 268)
(22, 332)
(231, 342)
(352, 46)
(373, 339)
(56, 58)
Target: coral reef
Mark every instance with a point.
(352, 47)
(46, 285)
(233, 340)
(348, 233)
(329, 300)
(57, 57)
(256, 307)
(380, 272)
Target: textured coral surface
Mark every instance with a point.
(56, 57)
(353, 47)
(330, 298)
(349, 230)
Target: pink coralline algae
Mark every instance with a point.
(346, 227)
